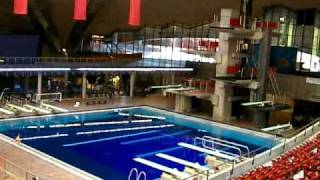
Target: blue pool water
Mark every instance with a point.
(104, 143)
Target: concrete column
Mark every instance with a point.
(84, 85)
(262, 117)
(132, 82)
(39, 86)
(173, 78)
(222, 110)
(182, 103)
(26, 83)
(66, 77)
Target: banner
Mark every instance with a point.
(80, 10)
(20, 7)
(135, 13)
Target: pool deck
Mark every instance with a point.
(42, 168)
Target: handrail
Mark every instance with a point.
(228, 142)
(142, 174)
(133, 170)
(204, 141)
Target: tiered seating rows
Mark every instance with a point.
(305, 157)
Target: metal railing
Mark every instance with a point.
(10, 170)
(256, 158)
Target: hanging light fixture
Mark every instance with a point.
(20, 7)
(80, 10)
(135, 13)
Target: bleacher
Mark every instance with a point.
(302, 162)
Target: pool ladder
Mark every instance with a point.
(138, 175)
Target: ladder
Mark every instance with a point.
(138, 174)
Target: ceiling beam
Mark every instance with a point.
(80, 27)
(39, 16)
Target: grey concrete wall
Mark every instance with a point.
(296, 87)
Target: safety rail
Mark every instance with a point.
(257, 158)
(207, 142)
(57, 96)
(228, 142)
(10, 170)
(115, 58)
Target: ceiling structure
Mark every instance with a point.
(55, 17)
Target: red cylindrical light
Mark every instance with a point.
(20, 7)
(80, 10)
(135, 13)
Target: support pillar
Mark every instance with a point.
(66, 77)
(262, 117)
(223, 108)
(39, 87)
(26, 83)
(132, 83)
(84, 85)
(173, 78)
(182, 103)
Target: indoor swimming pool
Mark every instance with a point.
(109, 143)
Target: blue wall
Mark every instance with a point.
(19, 45)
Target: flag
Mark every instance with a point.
(80, 10)
(135, 13)
(20, 7)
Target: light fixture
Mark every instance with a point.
(135, 69)
(33, 69)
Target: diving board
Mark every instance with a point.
(5, 111)
(208, 151)
(148, 116)
(180, 89)
(13, 106)
(167, 86)
(183, 162)
(260, 103)
(283, 126)
(49, 106)
(142, 116)
(163, 168)
(34, 108)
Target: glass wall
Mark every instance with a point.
(299, 29)
(174, 42)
